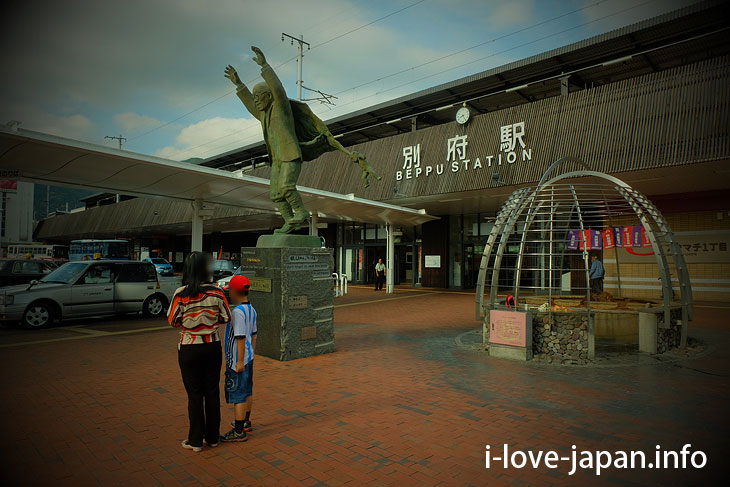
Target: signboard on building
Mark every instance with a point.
(700, 247)
(8, 185)
(510, 147)
(432, 261)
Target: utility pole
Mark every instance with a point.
(120, 139)
(300, 58)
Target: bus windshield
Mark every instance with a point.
(102, 249)
(115, 250)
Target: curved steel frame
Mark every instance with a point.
(524, 200)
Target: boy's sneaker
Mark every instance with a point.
(233, 436)
(186, 444)
(212, 445)
(246, 425)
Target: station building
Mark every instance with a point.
(648, 103)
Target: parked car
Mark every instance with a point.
(163, 267)
(22, 271)
(224, 282)
(223, 268)
(88, 288)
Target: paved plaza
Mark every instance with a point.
(403, 401)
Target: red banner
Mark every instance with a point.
(608, 242)
(585, 240)
(645, 242)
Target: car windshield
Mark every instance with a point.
(66, 273)
(223, 265)
(158, 261)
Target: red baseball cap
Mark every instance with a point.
(239, 283)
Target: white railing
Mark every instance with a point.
(339, 284)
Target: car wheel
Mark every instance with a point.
(38, 315)
(154, 306)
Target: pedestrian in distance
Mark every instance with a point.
(240, 342)
(198, 309)
(379, 275)
(596, 274)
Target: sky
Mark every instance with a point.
(152, 71)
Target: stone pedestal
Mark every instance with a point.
(647, 332)
(291, 289)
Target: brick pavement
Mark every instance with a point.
(397, 404)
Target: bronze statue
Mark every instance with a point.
(293, 134)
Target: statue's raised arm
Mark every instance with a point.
(242, 91)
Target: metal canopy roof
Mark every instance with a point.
(686, 35)
(48, 159)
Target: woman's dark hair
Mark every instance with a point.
(196, 273)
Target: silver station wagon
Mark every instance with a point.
(92, 288)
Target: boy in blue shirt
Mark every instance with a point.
(240, 341)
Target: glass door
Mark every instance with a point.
(472, 261)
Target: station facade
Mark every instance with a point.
(648, 103)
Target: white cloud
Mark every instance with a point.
(205, 138)
(134, 122)
(72, 126)
(510, 14)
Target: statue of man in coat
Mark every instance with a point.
(293, 134)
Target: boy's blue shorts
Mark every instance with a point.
(239, 385)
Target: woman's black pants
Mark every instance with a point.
(200, 366)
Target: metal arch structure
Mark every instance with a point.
(554, 205)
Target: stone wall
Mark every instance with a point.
(669, 338)
(560, 337)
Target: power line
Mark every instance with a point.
(495, 54)
(456, 53)
(368, 24)
(120, 139)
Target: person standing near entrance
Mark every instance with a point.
(198, 309)
(596, 274)
(379, 275)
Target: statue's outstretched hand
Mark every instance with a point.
(260, 59)
(232, 75)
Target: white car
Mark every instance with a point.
(88, 288)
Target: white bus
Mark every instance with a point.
(53, 253)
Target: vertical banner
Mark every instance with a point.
(596, 240)
(636, 236)
(585, 240)
(573, 236)
(618, 237)
(608, 242)
(627, 238)
(644, 238)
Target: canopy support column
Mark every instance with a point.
(390, 257)
(313, 220)
(196, 242)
